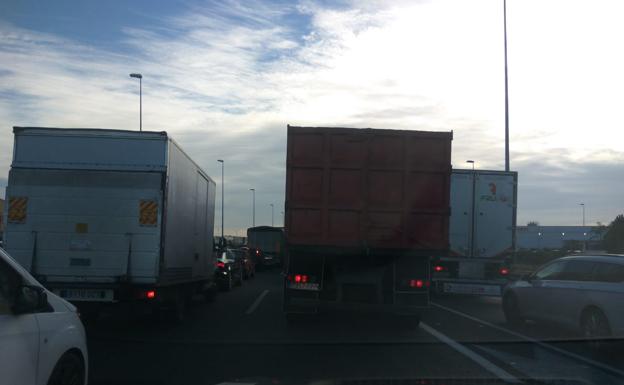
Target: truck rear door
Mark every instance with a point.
(85, 226)
(460, 231)
(495, 201)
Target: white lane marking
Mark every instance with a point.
(485, 364)
(534, 341)
(256, 303)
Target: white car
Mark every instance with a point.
(42, 340)
(584, 293)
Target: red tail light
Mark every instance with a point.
(418, 283)
(299, 278)
(150, 294)
(257, 252)
(220, 264)
(504, 271)
(438, 268)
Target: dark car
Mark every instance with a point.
(249, 263)
(229, 270)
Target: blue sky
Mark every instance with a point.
(224, 78)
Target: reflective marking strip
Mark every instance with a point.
(148, 213)
(485, 364)
(17, 209)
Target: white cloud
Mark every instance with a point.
(218, 75)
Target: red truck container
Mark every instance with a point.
(365, 211)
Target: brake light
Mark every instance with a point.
(418, 283)
(299, 278)
(150, 294)
(438, 268)
(504, 271)
(220, 264)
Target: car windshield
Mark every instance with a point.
(312, 191)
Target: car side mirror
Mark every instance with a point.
(29, 299)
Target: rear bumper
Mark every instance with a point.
(303, 305)
(100, 293)
(306, 301)
(493, 288)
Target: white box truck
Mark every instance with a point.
(109, 216)
(481, 233)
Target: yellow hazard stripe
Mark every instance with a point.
(17, 209)
(148, 212)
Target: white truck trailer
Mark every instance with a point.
(109, 216)
(481, 233)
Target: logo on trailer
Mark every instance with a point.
(494, 197)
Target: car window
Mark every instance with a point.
(551, 271)
(9, 282)
(609, 272)
(577, 271)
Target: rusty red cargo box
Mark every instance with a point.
(368, 188)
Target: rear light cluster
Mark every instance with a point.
(150, 294)
(257, 252)
(419, 283)
(503, 271)
(220, 265)
(439, 268)
(299, 278)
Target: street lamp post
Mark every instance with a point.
(472, 226)
(272, 223)
(253, 210)
(140, 77)
(506, 89)
(222, 200)
(584, 232)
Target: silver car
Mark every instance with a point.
(584, 293)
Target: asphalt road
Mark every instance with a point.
(243, 337)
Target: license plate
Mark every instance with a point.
(85, 294)
(466, 288)
(304, 286)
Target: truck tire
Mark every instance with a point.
(69, 370)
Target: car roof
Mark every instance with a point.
(606, 258)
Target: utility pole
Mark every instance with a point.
(222, 200)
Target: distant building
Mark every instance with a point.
(558, 237)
